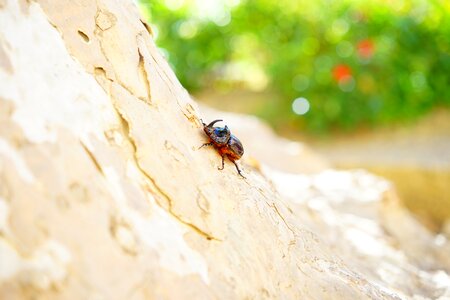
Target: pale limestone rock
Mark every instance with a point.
(104, 194)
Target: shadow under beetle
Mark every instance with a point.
(224, 142)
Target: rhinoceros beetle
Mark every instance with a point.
(224, 142)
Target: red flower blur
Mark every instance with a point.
(342, 73)
(366, 48)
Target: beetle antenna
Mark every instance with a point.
(214, 122)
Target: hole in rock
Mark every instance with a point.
(84, 36)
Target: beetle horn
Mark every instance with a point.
(213, 122)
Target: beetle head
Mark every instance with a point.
(209, 128)
(219, 135)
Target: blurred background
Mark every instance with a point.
(366, 83)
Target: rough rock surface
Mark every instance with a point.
(104, 194)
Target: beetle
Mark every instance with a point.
(225, 143)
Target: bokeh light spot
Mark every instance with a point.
(323, 62)
(340, 27)
(300, 106)
(418, 81)
(300, 83)
(366, 48)
(188, 29)
(347, 84)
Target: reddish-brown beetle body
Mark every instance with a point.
(226, 144)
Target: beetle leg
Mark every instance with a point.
(237, 168)
(205, 144)
(223, 163)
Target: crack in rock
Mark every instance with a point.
(158, 189)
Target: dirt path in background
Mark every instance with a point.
(416, 158)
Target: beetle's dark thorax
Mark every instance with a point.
(219, 135)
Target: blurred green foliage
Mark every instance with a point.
(358, 63)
